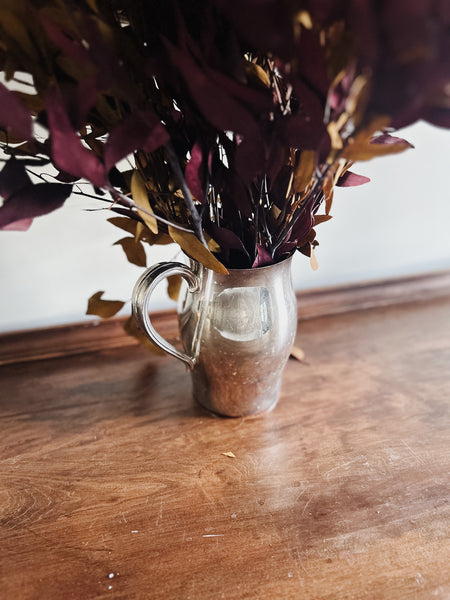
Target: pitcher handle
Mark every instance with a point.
(141, 297)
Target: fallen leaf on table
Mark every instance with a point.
(298, 353)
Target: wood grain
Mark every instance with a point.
(114, 485)
(96, 335)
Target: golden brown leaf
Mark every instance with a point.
(9, 68)
(173, 286)
(103, 308)
(358, 98)
(140, 197)
(15, 29)
(321, 219)
(304, 18)
(96, 146)
(333, 132)
(140, 231)
(328, 191)
(212, 244)
(361, 148)
(193, 247)
(256, 73)
(275, 211)
(134, 251)
(304, 170)
(33, 102)
(109, 114)
(92, 4)
(9, 138)
(229, 454)
(76, 70)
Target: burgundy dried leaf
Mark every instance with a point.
(437, 116)
(311, 62)
(66, 39)
(263, 257)
(67, 150)
(349, 179)
(14, 116)
(218, 107)
(20, 225)
(300, 131)
(249, 159)
(80, 99)
(302, 229)
(89, 50)
(13, 177)
(239, 196)
(110, 69)
(140, 131)
(275, 161)
(387, 138)
(262, 24)
(285, 249)
(226, 238)
(193, 174)
(339, 90)
(279, 187)
(259, 101)
(33, 201)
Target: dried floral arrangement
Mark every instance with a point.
(220, 126)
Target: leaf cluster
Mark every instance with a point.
(221, 127)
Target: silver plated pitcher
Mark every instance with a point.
(237, 331)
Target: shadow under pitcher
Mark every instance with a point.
(237, 331)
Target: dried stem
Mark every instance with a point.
(128, 202)
(196, 220)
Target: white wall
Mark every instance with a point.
(396, 225)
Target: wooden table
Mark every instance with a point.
(113, 484)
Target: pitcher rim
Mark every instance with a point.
(251, 269)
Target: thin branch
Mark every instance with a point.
(130, 203)
(40, 176)
(85, 195)
(22, 81)
(124, 200)
(196, 220)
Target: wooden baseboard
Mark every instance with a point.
(80, 338)
(371, 294)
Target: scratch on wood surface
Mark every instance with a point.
(346, 464)
(305, 489)
(388, 468)
(213, 535)
(160, 516)
(205, 493)
(294, 555)
(307, 504)
(419, 460)
(303, 567)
